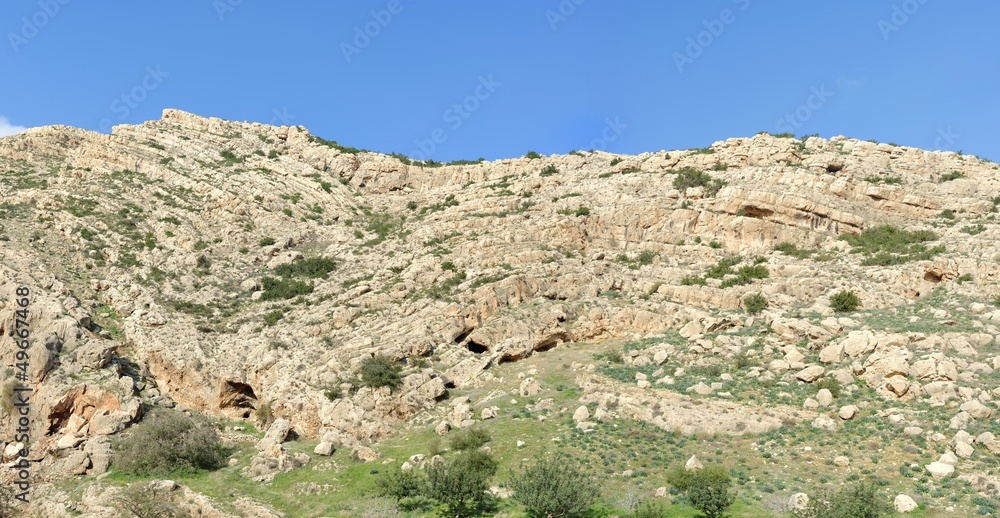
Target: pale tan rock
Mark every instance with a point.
(904, 504)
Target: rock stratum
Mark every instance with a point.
(161, 261)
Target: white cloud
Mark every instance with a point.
(6, 128)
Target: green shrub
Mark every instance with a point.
(709, 491)
(398, 484)
(167, 441)
(754, 304)
(313, 268)
(688, 178)
(954, 175)
(680, 478)
(379, 371)
(646, 257)
(140, 500)
(266, 241)
(845, 301)
(790, 249)
(887, 245)
(470, 439)
(549, 170)
(947, 214)
(829, 383)
(860, 500)
(746, 275)
(531, 155)
(693, 280)
(582, 211)
(615, 161)
(553, 487)
(649, 509)
(281, 288)
(461, 484)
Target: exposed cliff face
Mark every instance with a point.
(164, 235)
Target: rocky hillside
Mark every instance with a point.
(246, 271)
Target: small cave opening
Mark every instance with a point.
(751, 211)
(476, 347)
(463, 335)
(238, 398)
(834, 168)
(933, 277)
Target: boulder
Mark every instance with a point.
(904, 504)
(278, 431)
(324, 448)
(810, 373)
(798, 502)
(964, 450)
(940, 469)
(693, 464)
(529, 387)
(847, 412)
(581, 414)
(824, 397)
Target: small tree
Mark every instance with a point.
(860, 500)
(709, 491)
(142, 501)
(399, 484)
(755, 303)
(461, 484)
(470, 439)
(553, 488)
(845, 302)
(379, 371)
(167, 441)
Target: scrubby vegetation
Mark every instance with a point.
(688, 178)
(168, 441)
(887, 245)
(845, 301)
(379, 371)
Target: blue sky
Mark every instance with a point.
(454, 79)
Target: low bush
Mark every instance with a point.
(553, 487)
(470, 439)
(860, 500)
(887, 245)
(167, 441)
(688, 178)
(754, 304)
(845, 301)
(378, 371)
